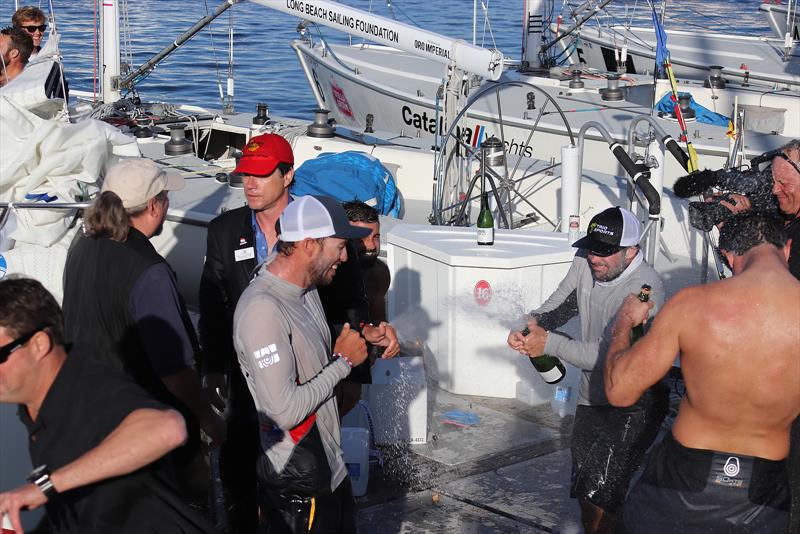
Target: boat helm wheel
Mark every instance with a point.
(502, 162)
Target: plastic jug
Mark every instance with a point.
(565, 393)
(355, 444)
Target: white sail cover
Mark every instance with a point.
(46, 159)
(60, 159)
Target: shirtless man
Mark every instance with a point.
(742, 393)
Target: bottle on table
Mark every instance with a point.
(485, 222)
(638, 330)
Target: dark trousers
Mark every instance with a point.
(332, 513)
(238, 459)
(794, 479)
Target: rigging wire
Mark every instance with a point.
(216, 61)
(487, 24)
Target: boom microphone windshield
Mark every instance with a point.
(696, 183)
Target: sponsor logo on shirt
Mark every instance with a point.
(266, 356)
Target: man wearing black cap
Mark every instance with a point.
(237, 241)
(283, 342)
(608, 443)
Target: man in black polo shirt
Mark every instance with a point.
(96, 438)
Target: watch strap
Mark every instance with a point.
(41, 477)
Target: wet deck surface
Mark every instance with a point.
(508, 473)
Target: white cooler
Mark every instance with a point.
(459, 300)
(398, 401)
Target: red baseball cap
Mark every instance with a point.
(260, 157)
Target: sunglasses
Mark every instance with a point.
(603, 254)
(783, 156)
(763, 162)
(33, 29)
(6, 350)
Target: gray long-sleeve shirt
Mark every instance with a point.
(282, 341)
(598, 303)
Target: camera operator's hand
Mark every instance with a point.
(737, 203)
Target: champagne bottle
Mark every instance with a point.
(549, 367)
(638, 330)
(485, 222)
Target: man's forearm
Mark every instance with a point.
(615, 359)
(143, 437)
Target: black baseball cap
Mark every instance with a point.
(610, 231)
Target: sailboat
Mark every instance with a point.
(760, 60)
(544, 170)
(782, 18)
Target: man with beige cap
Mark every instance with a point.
(121, 299)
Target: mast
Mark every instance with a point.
(532, 35)
(109, 51)
(430, 45)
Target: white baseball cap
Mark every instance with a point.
(315, 217)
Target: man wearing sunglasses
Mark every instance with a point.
(31, 20)
(608, 443)
(98, 441)
(15, 49)
(722, 468)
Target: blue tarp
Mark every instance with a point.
(347, 176)
(705, 115)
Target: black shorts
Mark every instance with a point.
(608, 445)
(331, 513)
(700, 491)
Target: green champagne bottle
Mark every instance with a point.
(485, 222)
(549, 367)
(638, 330)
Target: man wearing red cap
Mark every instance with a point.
(237, 241)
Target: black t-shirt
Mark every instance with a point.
(345, 301)
(85, 403)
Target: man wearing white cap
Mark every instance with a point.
(283, 342)
(121, 300)
(607, 443)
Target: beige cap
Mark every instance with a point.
(137, 180)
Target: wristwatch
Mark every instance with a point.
(41, 477)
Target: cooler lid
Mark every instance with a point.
(457, 246)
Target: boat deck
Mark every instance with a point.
(508, 473)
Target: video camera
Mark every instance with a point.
(755, 183)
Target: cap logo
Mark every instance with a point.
(600, 229)
(253, 146)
